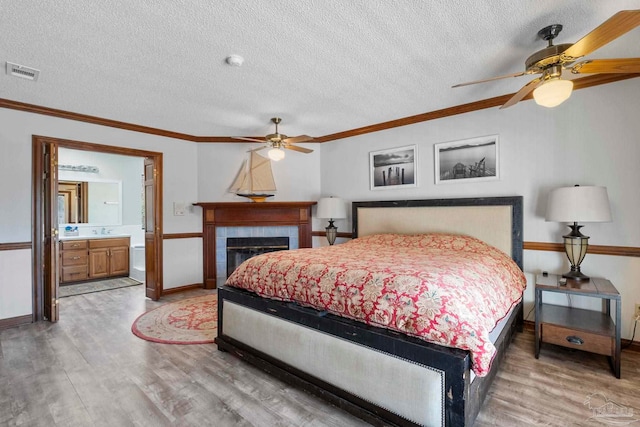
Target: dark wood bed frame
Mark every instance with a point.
(463, 398)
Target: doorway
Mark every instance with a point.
(45, 220)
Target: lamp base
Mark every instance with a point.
(331, 231)
(575, 246)
(576, 275)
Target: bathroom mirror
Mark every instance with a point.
(90, 202)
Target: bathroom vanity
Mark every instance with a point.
(83, 258)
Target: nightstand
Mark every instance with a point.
(586, 330)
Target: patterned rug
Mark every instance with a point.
(99, 286)
(190, 321)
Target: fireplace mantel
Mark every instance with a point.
(240, 214)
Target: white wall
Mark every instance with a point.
(15, 269)
(297, 176)
(192, 172)
(592, 139)
(180, 183)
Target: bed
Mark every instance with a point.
(382, 375)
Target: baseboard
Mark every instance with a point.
(530, 326)
(182, 289)
(12, 322)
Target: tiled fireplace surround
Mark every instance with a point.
(238, 219)
(270, 231)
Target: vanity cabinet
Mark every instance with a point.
(108, 257)
(94, 259)
(74, 261)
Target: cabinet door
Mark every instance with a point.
(98, 263)
(119, 260)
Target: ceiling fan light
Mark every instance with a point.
(553, 93)
(276, 154)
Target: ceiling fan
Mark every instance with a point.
(550, 89)
(277, 142)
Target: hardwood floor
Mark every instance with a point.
(89, 369)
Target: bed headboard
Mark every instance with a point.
(495, 220)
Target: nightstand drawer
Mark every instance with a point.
(594, 343)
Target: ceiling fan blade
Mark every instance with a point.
(492, 79)
(296, 148)
(611, 29)
(262, 141)
(296, 139)
(257, 149)
(526, 89)
(621, 65)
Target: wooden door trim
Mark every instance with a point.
(37, 311)
(153, 242)
(38, 142)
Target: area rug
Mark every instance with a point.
(190, 321)
(99, 286)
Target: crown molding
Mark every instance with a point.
(580, 83)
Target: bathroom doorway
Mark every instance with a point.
(46, 216)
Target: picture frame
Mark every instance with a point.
(394, 168)
(467, 160)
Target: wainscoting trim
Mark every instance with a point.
(323, 234)
(170, 236)
(545, 246)
(593, 249)
(15, 246)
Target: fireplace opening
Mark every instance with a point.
(240, 249)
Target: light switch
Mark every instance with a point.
(179, 208)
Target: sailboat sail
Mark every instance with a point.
(254, 177)
(241, 182)
(261, 174)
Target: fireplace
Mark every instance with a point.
(226, 219)
(240, 249)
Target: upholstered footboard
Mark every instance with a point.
(379, 375)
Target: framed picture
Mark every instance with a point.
(394, 168)
(468, 160)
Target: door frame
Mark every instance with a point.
(40, 267)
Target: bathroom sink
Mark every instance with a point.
(93, 236)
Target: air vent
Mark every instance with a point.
(22, 71)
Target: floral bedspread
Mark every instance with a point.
(447, 289)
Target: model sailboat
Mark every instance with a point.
(255, 178)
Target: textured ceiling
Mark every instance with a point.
(323, 66)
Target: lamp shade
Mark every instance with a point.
(578, 204)
(331, 207)
(552, 93)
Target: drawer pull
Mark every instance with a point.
(75, 257)
(575, 340)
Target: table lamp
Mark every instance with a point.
(578, 204)
(331, 208)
